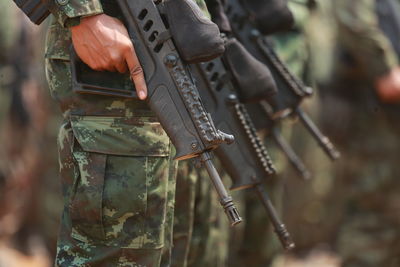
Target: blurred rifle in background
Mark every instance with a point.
(247, 161)
(291, 91)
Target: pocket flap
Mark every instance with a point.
(134, 136)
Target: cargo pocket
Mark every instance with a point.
(121, 190)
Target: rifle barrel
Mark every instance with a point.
(279, 227)
(322, 140)
(224, 198)
(296, 162)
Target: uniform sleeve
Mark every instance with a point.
(68, 11)
(359, 32)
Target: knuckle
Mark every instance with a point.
(115, 57)
(137, 71)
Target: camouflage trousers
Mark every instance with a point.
(202, 235)
(118, 183)
(115, 206)
(201, 230)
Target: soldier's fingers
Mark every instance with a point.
(136, 72)
(122, 67)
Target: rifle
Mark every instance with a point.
(172, 95)
(246, 160)
(291, 90)
(272, 130)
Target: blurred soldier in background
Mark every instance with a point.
(352, 204)
(23, 135)
(300, 49)
(364, 96)
(260, 246)
(200, 231)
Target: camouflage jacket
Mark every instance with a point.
(107, 121)
(58, 47)
(360, 35)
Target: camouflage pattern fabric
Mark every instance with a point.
(8, 34)
(186, 182)
(373, 53)
(368, 135)
(209, 243)
(351, 203)
(74, 9)
(255, 244)
(116, 168)
(200, 228)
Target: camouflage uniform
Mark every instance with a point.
(8, 36)
(368, 136)
(200, 228)
(116, 165)
(352, 205)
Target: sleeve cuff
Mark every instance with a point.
(68, 12)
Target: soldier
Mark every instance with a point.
(200, 229)
(366, 89)
(116, 168)
(357, 69)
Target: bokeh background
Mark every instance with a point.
(348, 208)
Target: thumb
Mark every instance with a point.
(136, 72)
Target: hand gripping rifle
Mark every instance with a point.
(291, 91)
(172, 94)
(246, 160)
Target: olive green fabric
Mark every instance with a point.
(8, 28)
(350, 204)
(9, 32)
(209, 243)
(184, 213)
(116, 169)
(201, 229)
(116, 203)
(64, 10)
(367, 179)
(372, 52)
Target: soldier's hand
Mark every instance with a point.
(388, 87)
(103, 43)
